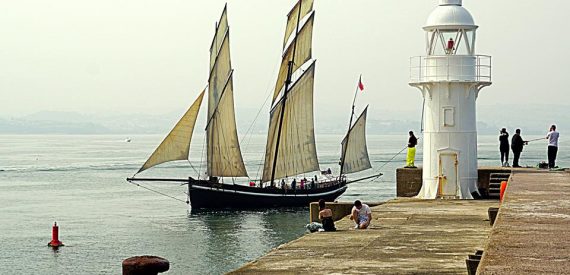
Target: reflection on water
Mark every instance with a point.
(234, 237)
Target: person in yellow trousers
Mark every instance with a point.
(412, 142)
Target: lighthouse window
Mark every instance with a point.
(450, 42)
(448, 113)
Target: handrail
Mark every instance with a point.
(453, 68)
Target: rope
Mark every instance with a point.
(158, 192)
(255, 120)
(194, 168)
(390, 160)
(536, 139)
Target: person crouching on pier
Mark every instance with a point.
(361, 215)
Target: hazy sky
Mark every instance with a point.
(151, 56)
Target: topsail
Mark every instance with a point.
(302, 46)
(293, 17)
(221, 29)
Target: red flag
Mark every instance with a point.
(360, 85)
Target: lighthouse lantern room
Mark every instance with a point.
(450, 77)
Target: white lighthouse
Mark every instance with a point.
(450, 77)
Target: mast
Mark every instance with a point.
(343, 155)
(287, 83)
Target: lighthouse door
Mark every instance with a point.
(447, 179)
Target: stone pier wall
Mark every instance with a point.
(409, 180)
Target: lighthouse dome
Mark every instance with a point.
(450, 14)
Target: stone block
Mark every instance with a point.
(408, 181)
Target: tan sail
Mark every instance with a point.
(302, 53)
(177, 143)
(221, 29)
(297, 152)
(224, 154)
(356, 154)
(224, 157)
(292, 17)
(219, 76)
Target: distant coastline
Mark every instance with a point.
(532, 119)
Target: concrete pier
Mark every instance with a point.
(531, 234)
(407, 236)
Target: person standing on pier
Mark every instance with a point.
(504, 147)
(552, 137)
(410, 158)
(517, 144)
(361, 215)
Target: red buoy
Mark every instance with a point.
(55, 236)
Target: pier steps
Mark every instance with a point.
(495, 180)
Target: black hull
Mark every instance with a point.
(204, 194)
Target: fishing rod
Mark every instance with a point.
(393, 157)
(536, 139)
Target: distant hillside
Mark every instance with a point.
(532, 119)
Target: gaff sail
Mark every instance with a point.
(296, 152)
(354, 152)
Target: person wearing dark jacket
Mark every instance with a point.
(504, 147)
(517, 144)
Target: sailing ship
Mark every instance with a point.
(290, 149)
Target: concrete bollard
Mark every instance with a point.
(493, 211)
(145, 265)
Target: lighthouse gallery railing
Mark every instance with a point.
(452, 68)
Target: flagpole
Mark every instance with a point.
(343, 157)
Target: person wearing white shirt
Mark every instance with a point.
(552, 137)
(361, 215)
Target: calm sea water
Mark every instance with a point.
(79, 181)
